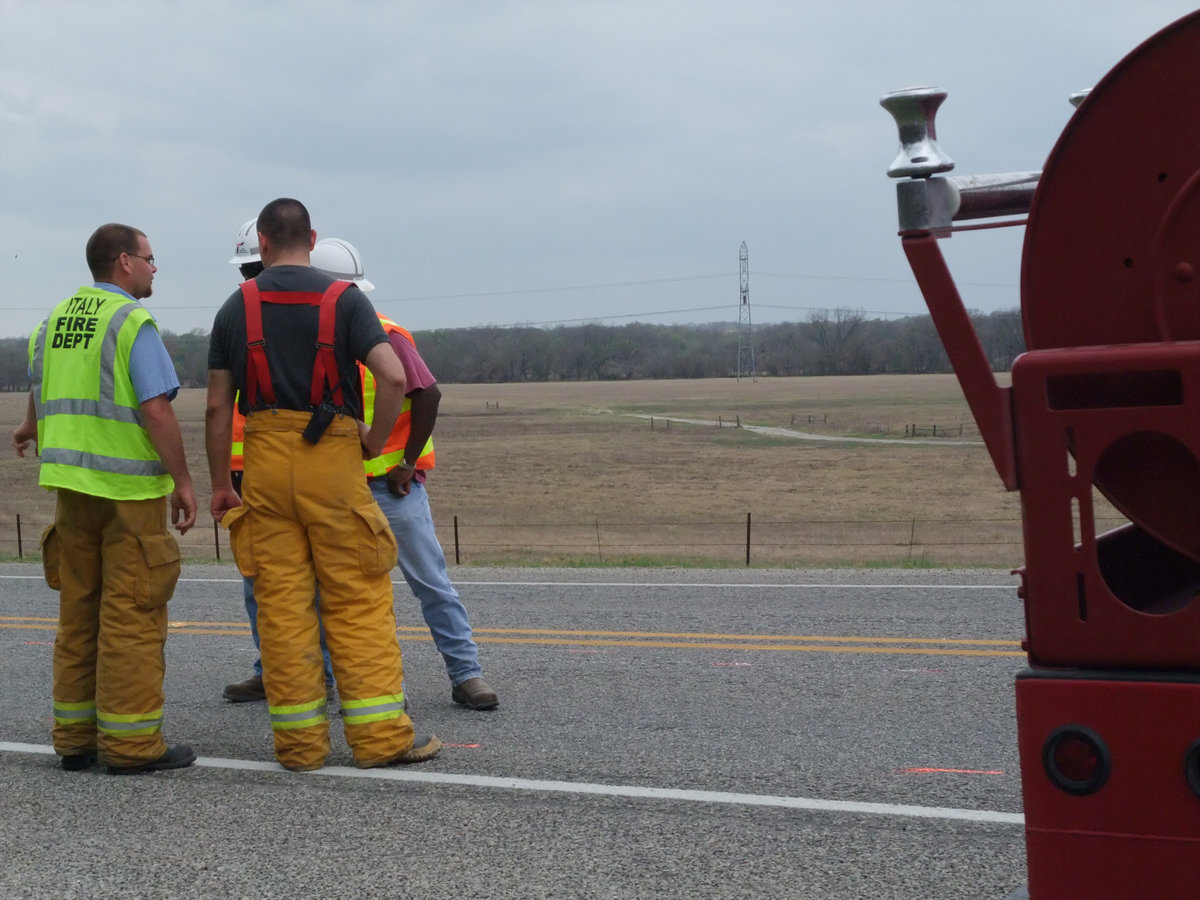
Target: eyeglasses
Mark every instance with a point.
(149, 259)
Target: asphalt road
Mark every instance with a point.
(662, 733)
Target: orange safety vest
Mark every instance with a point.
(239, 433)
(393, 450)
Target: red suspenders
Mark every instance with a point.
(325, 369)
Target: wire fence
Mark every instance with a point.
(737, 541)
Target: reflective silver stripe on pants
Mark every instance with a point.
(82, 715)
(350, 714)
(316, 714)
(110, 725)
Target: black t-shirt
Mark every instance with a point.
(290, 332)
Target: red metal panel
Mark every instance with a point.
(1139, 834)
(1127, 417)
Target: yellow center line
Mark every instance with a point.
(742, 637)
(666, 640)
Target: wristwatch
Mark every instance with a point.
(406, 465)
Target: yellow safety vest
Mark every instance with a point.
(91, 435)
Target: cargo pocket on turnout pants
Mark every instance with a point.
(51, 548)
(237, 520)
(376, 544)
(161, 552)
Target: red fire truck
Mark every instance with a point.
(1103, 407)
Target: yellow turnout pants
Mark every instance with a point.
(308, 518)
(115, 565)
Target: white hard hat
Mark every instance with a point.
(246, 248)
(338, 258)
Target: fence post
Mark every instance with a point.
(20, 549)
(747, 540)
(599, 549)
(912, 536)
(457, 557)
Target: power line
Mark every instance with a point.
(1003, 284)
(827, 308)
(555, 290)
(663, 312)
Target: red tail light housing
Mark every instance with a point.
(1077, 760)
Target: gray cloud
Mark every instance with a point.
(507, 148)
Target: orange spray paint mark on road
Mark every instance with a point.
(923, 770)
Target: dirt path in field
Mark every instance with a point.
(809, 436)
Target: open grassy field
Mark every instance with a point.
(579, 473)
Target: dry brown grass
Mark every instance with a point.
(567, 473)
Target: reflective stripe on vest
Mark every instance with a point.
(236, 463)
(393, 450)
(304, 715)
(90, 428)
(74, 713)
(129, 725)
(373, 709)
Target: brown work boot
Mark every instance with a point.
(424, 747)
(245, 691)
(474, 693)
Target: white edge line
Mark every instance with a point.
(650, 584)
(606, 790)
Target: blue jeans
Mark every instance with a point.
(252, 615)
(424, 567)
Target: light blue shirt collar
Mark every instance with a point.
(105, 286)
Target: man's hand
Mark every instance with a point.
(365, 438)
(223, 500)
(26, 433)
(24, 440)
(399, 481)
(183, 507)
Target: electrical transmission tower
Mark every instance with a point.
(745, 361)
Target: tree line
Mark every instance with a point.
(836, 342)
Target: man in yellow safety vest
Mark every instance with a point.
(110, 447)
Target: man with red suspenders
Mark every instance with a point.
(398, 487)
(287, 344)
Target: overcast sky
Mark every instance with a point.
(528, 162)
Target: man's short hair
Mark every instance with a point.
(286, 224)
(106, 244)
